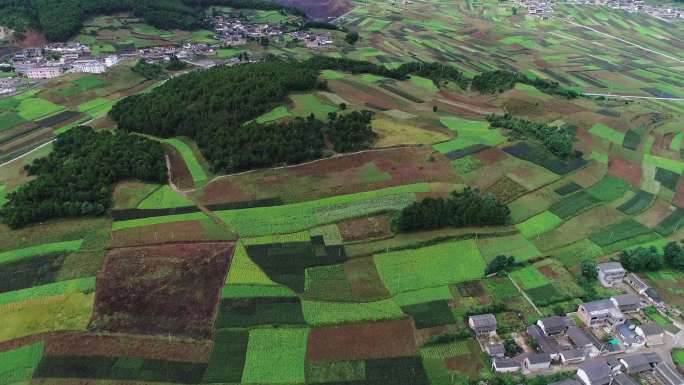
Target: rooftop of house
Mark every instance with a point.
(651, 329)
(483, 320)
(611, 267)
(636, 281)
(494, 349)
(555, 322)
(506, 363)
(600, 306)
(669, 373)
(596, 370)
(641, 361)
(653, 295)
(538, 358)
(572, 354)
(626, 299)
(578, 336)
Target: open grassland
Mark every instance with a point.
(199, 175)
(44, 249)
(163, 198)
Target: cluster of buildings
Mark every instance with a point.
(183, 52)
(313, 40)
(545, 8)
(233, 32)
(607, 342)
(56, 59)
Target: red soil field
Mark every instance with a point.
(364, 228)
(362, 341)
(170, 289)
(321, 9)
(148, 347)
(625, 169)
(185, 231)
(364, 94)
(180, 173)
(342, 174)
(678, 199)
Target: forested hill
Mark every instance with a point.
(59, 20)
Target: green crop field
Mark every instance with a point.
(529, 277)
(17, 365)
(539, 224)
(307, 104)
(413, 269)
(51, 289)
(319, 313)
(33, 251)
(34, 108)
(608, 133)
(275, 114)
(275, 356)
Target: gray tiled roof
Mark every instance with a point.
(651, 329)
(599, 306)
(483, 320)
(506, 363)
(572, 354)
(568, 381)
(611, 267)
(627, 299)
(578, 336)
(539, 358)
(597, 371)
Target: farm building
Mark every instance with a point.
(505, 365)
(546, 345)
(495, 350)
(537, 361)
(595, 372)
(636, 283)
(44, 72)
(599, 313)
(89, 66)
(640, 362)
(668, 374)
(654, 297)
(482, 324)
(652, 333)
(572, 356)
(627, 303)
(610, 272)
(582, 340)
(555, 325)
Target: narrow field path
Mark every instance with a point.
(521, 291)
(636, 97)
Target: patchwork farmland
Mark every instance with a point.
(298, 274)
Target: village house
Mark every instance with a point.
(627, 303)
(653, 334)
(668, 374)
(537, 361)
(546, 345)
(652, 295)
(89, 66)
(482, 324)
(640, 362)
(636, 283)
(595, 372)
(629, 336)
(555, 325)
(581, 340)
(610, 272)
(600, 313)
(9, 84)
(41, 72)
(572, 356)
(505, 365)
(495, 350)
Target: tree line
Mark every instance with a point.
(460, 209)
(498, 81)
(651, 259)
(78, 176)
(59, 20)
(557, 140)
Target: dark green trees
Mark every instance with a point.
(500, 263)
(466, 208)
(557, 140)
(77, 178)
(352, 37)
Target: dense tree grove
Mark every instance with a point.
(500, 263)
(351, 132)
(352, 37)
(77, 178)
(437, 72)
(149, 71)
(61, 19)
(589, 269)
(217, 107)
(650, 259)
(497, 81)
(557, 140)
(466, 208)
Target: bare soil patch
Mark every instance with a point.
(362, 341)
(364, 228)
(180, 173)
(170, 289)
(624, 169)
